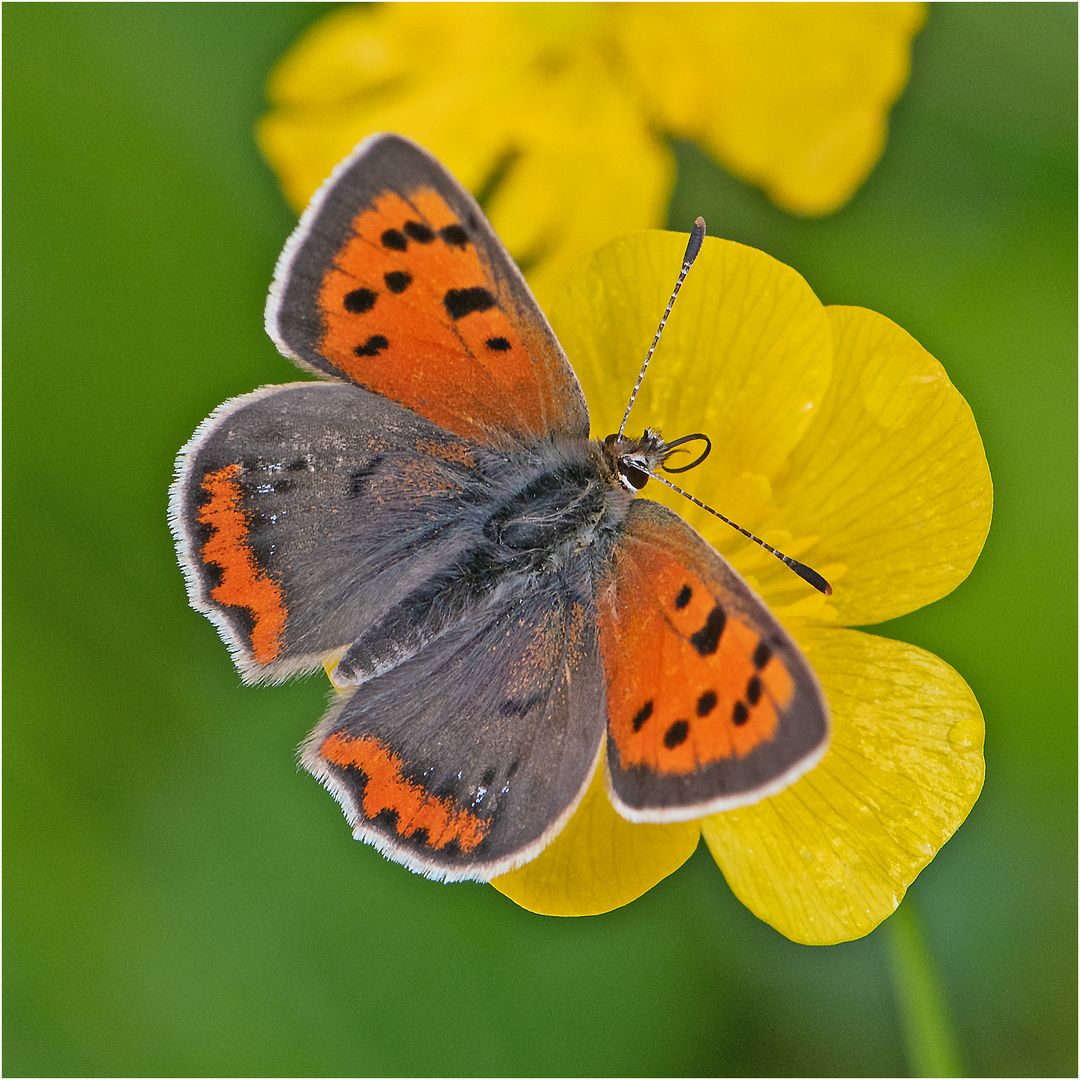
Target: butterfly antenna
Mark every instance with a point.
(812, 577)
(697, 235)
(808, 575)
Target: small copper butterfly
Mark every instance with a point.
(502, 610)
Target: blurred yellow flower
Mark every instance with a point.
(840, 440)
(556, 114)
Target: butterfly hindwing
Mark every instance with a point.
(711, 704)
(303, 513)
(463, 761)
(395, 281)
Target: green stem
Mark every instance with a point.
(929, 1037)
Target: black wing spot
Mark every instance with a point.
(520, 706)
(388, 817)
(707, 639)
(203, 531)
(454, 236)
(373, 346)
(740, 714)
(498, 344)
(358, 477)
(215, 574)
(359, 300)
(397, 281)
(706, 703)
(489, 777)
(244, 619)
(684, 597)
(394, 239)
(419, 232)
(642, 715)
(762, 655)
(676, 734)
(462, 302)
(753, 690)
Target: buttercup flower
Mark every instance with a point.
(839, 439)
(836, 437)
(556, 114)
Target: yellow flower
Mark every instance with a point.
(839, 439)
(558, 112)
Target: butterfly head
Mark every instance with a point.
(635, 460)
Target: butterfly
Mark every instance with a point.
(498, 607)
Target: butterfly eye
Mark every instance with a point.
(635, 465)
(631, 474)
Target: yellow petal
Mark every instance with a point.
(321, 90)
(562, 103)
(599, 861)
(513, 99)
(792, 97)
(745, 356)
(437, 73)
(831, 857)
(892, 477)
(574, 184)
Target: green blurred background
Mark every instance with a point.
(180, 901)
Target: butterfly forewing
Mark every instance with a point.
(711, 705)
(395, 281)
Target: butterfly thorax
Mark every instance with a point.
(538, 511)
(566, 502)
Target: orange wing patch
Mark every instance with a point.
(408, 311)
(386, 788)
(689, 684)
(243, 583)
